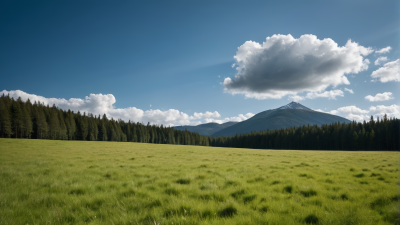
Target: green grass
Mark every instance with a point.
(75, 182)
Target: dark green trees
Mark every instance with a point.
(5, 120)
(20, 119)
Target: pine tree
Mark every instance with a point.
(54, 125)
(17, 119)
(41, 124)
(27, 123)
(72, 126)
(5, 122)
(63, 133)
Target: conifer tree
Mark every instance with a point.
(63, 133)
(27, 123)
(17, 119)
(41, 124)
(54, 125)
(5, 122)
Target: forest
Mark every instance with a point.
(19, 119)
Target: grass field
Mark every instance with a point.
(75, 182)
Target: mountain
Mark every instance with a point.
(290, 115)
(207, 128)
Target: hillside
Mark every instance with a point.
(291, 115)
(206, 129)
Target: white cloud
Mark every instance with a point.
(390, 111)
(354, 113)
(99, 104)
(233, 65)
(332, 94)
(389, 72)
(379, 97)
(384, 50)
(334, 112)
(296, 98)
(238, 118)
(352, 109)
(349, 90)
(380, 60)
(359, 118)
(283, 65)
(351, 113)
(319, 110)
(206, 115)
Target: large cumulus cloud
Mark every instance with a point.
(99, 104)
(284, 65)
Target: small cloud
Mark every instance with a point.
(332, 94)
(233, 65)
(389, 72)
(380, 97)
(384, 50)
(354, 113)
(380, 110)
(296, 98)
(150, 105)
(206, 115)
(238, 118)
(349, 90)
(380, 60)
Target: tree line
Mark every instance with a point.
(19, 119)
(379, 134)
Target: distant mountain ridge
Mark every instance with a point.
(206, 129)
(291, 115)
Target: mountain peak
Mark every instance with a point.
(294, 105)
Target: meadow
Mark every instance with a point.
(82, 182)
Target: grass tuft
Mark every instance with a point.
(249, 198)
(153, 204)
(288, 189)
(329, 181)
(172, 191)
(127, 193)
(264, 209)
(344, 197)
(183, 181)
(359, 175)
(275, 182)
(311, 219)
(231, 183)
(308, 193)
(228, 211)
(77, 191)
(238, 193)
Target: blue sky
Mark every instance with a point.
(176, 55)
